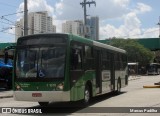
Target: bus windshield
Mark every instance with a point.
(41, 58)
(47, 62)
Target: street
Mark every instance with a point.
(134, 95)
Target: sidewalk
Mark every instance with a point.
(134, 77)
(6, 94)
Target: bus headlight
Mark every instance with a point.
(18, 88)
(60, 86)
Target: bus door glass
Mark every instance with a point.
(76, 58)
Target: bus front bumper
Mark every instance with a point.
(42, 96)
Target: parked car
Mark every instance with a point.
(6, 74)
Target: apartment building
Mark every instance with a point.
(77, 27)
(93, 23)
(38, 22)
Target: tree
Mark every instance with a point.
(135, 51)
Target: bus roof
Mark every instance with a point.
(98, 44)
(80, 39)
(42, 34)
(108, 47)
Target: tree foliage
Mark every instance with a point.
(135, 51)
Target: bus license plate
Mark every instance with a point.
(36, 94)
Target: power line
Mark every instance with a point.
(8, 33)
(6, 23)
(18, 25)
(7, 20)
(15, 26)
(13, 13)
(11, 22)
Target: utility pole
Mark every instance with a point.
(25, 18)
(84, 3)
(159, 26)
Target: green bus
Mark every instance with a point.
(64, 67)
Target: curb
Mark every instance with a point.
(134, 78)
(157, 83)
(6, 94)
(9, 96)
(151, 86)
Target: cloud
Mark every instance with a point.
(131, 26)
(68, 10)
(110, 9)
(150, 32)
(71, 9)
(58, 24)
(36, 5)
(11, 30)
(142, 8)
(131, 21)
(59, 8)
(106, 9)
(109, 31)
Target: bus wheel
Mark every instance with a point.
(87, 95)
(118, 87)
(43, 103)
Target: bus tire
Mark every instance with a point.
(43, 104)
(87, 95)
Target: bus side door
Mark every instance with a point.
(98, 71)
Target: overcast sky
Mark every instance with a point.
(118, 18)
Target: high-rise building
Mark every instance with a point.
(75, 27)
(67, 27)
(38, 22)
(93, 23)
(19, 29)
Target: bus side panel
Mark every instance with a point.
(90, 76)
(123, 79)
(78, 81)
(77, 85)
(121, 69)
